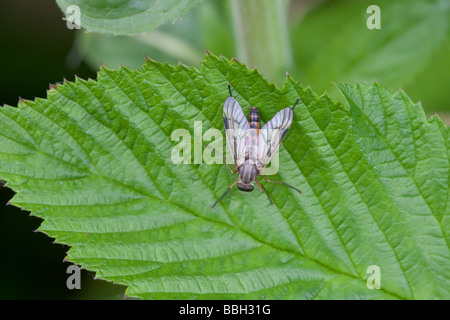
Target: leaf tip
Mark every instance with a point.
(326, 95)
(51, 86)
(207, 52)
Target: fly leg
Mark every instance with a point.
(225, 193)
(233, 172)
(261, 188)
(281, 183)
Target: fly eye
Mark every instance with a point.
(245, 187)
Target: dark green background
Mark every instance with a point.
(34, 45)
(38, 49)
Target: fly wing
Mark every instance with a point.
(271, 136)
(236, 128)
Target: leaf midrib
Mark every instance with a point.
(303, 256)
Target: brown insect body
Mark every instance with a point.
(248, 171)
(252, 152)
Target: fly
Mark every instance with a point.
(251, 147)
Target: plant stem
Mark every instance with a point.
(262, 38)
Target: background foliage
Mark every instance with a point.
(327, 41)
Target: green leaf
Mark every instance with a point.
(206, 26)
(127, 17)
(411, 33)
(93, 160)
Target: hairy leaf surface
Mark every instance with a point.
(93, 160)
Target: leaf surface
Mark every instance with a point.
(125, 16)
(93, 160)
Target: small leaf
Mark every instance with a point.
(127, 17)
(170, 42)
(93, 160)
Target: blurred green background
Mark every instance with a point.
(319, 42)
(35, 50)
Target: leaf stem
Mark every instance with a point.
(261, 35)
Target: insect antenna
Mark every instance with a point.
(229, 89)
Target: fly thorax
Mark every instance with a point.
(248, 173)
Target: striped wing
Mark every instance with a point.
(271, 136)
(236, 128)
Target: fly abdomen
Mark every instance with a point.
(254, 125)
(254, 119)
(248, 173)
